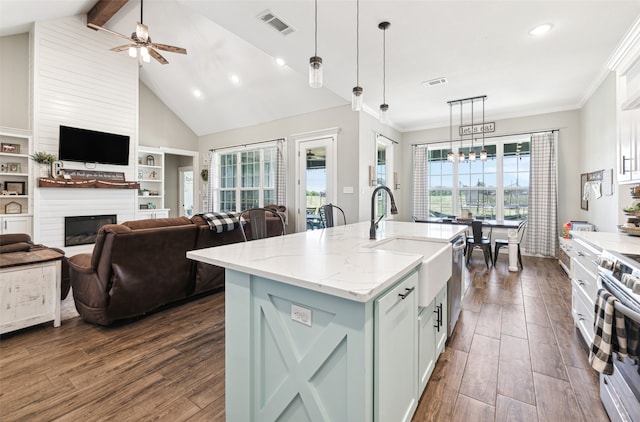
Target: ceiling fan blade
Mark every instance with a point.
(153, 53)
(142, 32)
(92, 26)
(169, 48)
(123, 47)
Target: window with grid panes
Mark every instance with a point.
(497, 188)
(247, 179)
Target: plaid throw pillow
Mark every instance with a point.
(222, 221)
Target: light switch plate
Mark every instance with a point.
(347, 189)
(301, 315)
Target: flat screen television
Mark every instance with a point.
(90, 146)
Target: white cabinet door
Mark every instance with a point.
(629, 146)
(396, 352)
(15, 224)
(440, 305)
(426, 344)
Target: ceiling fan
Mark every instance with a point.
(141, 43)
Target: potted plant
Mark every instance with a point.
(144, 192)
(45, 160)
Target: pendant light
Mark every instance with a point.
(384, 106)
(472, 152)
(483, 153)
(315, 62)
(460, 154)
(450, 153)
(356, 93)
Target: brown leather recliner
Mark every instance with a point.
(139, 266)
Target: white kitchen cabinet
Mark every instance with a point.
(396, 352)
(432, 336)
(16, 224)
(584, 274)
(626, 63)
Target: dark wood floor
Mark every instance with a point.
(514, 356)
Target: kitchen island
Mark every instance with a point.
(323, 325)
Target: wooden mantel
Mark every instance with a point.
(48, 182)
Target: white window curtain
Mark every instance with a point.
(542, 228)
(281, 174)
(420, 182)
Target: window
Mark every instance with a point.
(497, 188)
(384, 174)
(246, 180)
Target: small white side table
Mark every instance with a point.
(30, 294)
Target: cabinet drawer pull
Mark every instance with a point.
(580, 282)
(407, 292)
(578, 253)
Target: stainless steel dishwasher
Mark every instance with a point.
(455, 285)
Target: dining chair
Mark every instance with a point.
(326, 213)
(479, 241)
(505, 242)
(256, 218)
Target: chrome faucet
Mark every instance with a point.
(394, 210)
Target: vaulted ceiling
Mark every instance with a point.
(480, 47)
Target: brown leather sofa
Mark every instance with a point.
(13, 247)
(139, 266)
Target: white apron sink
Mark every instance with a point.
(435, 270)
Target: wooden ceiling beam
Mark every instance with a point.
(103, 10)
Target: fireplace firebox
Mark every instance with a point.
(83, 229)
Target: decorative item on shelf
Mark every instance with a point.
(14, 167)
(151, 161)
(57, 169)
(140, 175)
(153, 175)
(45, 161)
(10, 148)
(3, 167)
(384, 107)
(315, 62)
(18, 187)
(144, 192)
(144, 206)
(8, 192)
(635, 192)
(13, 208)
(151, 206)
(204, 174)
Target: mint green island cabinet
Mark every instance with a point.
(324, 325)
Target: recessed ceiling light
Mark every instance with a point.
(540, 29)
(280, 61)
(235, 79)
(197, 93)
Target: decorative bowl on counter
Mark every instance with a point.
(632, 231)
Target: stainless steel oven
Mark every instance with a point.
(620, 392)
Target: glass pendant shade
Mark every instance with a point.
(461, 156)
(315, 72)
(133, 52)
(472, 155)
(356, 99)
(483, 155)
(383, 112)
(450, 156)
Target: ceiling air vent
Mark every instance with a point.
(275, 22)
(434, 82)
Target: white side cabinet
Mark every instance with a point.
(584, 274)
(29, 295)
(396, 356)
(152, 214)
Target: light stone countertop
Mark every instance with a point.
(339, 261)
(618, 242)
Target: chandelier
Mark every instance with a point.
(472, 129)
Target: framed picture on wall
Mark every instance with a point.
(584, 204)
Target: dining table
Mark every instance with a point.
(510, 225)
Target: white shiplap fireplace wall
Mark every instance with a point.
(78, 82)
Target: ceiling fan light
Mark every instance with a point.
(133, 52)
(144, 52)
(315, 72)
(356, 98)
